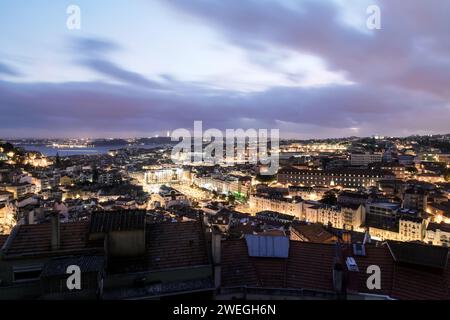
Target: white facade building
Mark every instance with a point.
(364, 159)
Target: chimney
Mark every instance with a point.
(338, 278)
(56, 236)
(338, 272)
(347, 237)
(205, 219)
(31, 217)
(216, 242)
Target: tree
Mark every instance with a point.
(266, 178)
(329, 198)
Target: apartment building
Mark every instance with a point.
(345, 177)
(398, 170)
(387, 221)
(289, 206)
(364, 159)
(412, 229)
(162, 176)
(20, 189)
(345, 216)
(438, 234)
(109, 178)
(168, 197)
(224, 184)
(307, 193)
(415, 199)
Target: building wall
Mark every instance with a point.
(415, 201)
(20, 190)
(168, 201)
(353, 218)
(364, 159)
(258, 204)
(437, 238)
(311, 178)
(7, 220)
(383, 234)
(162, 176)
(411, 231)
(331, 216)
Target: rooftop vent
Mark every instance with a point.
(351, 264)
(267, 246)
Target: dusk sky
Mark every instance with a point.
(310, 68)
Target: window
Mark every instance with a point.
(28, 273)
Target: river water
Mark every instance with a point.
(51, 151)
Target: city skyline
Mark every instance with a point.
(12, 138)
(222, 152)
(309, 68)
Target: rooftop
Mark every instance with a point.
(35, 240)
(314, 232)
(169, 245)
(441, 226)
(117, 221)
(418, 254)
(309, 266)
(58, 266)
(385, 205)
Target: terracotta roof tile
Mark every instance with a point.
(237, 268)
(309, 266)
(169, 245)
(314, 232)
(116, 221)
(381, 257)
(419, 284)
(36, 239)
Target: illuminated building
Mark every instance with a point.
(307, 193)
(161, 176)
(20, 189)
(415, 199)
(349, 178)
(224, 184)
(168, 197)
(438, 234)
(364, 159)
(289, 206)
(350, 217)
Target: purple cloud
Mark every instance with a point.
(401, 78)
(413, 40)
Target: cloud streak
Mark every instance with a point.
(8, 70)
(400, 77)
